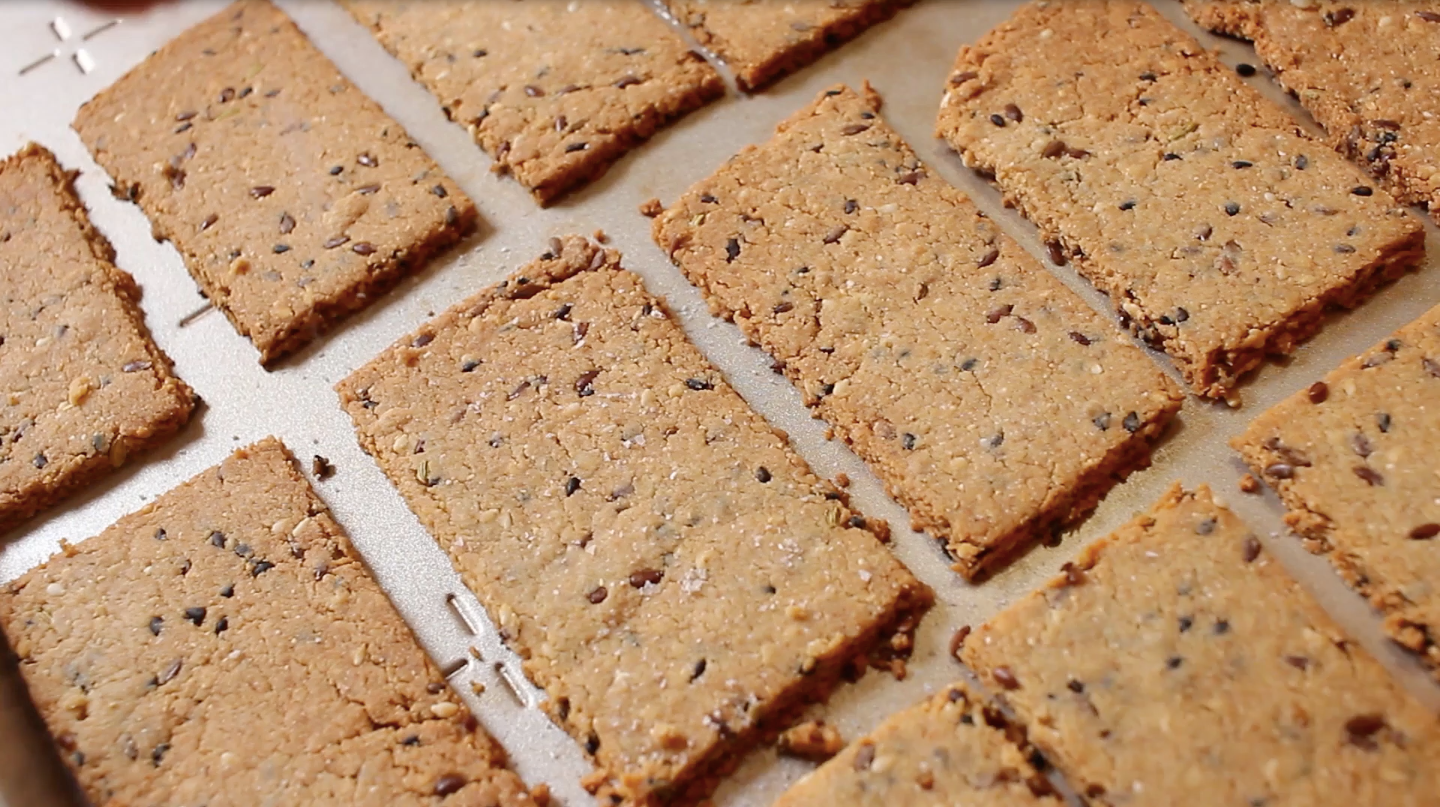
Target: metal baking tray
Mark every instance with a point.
(58, 54)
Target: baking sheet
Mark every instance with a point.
(58, 54)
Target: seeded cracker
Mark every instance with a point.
(225, 645)
(762, 41)
(1352, 457)
(555, 92)
(292, 197)
(1367, 71)
(991, 400)
(617, 508)
(1220, 232)
(941, 753)
(1176, 663)
(83, 384)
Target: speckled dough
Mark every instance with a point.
(672, 573)
(944, 752)
(1366, 70)
(82, 385)
(761, 41)
(554, 92)
(225, 646)
(990, 399)
(1176, 663)
(1219, 231)
(1352, 457)
(292, 197)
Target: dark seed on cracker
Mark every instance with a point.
(1251, 549)
(450, 784)
(1425, 532)
(732, 250)
(1056, 253)
(646, 577)
(1005, 677)
(1370, 475)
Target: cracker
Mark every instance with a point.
(993, 402)
(1220, 232)
(760, 42)
(1366, 71)
(616, 507)
(554, 92)
(942, 752)
(84, 384)
(292, 198)
(1350, 458)
(1175, 662)
(225, 644)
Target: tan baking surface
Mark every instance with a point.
(907, 59)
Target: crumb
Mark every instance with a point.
(650, 208)
(1249, 484)
(540, 794)
(592, 781)
(812, 740)
(898, 669)
(321, 468)
(842, 479)
(601, 237)
(881, 528)
(477, 687)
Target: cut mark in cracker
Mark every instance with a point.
(462, 615)
(190, 318)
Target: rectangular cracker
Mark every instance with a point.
(990, 399)
(1366, 71)
(616, 506)
(940, 753)
(554, 92)
(762, 41)
(1351, 458)
(1175, 662)
(292, 197)
(1220, 232)
(225, 644)
(85, 385)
